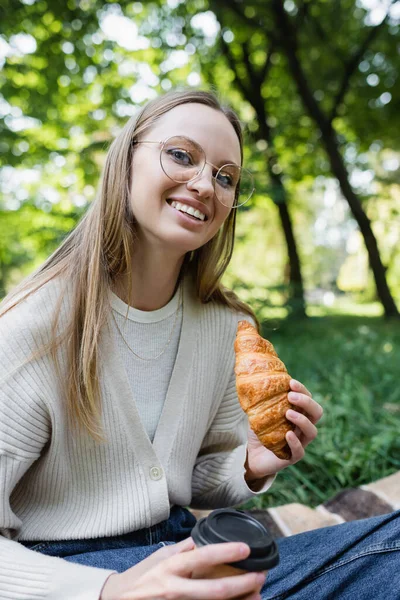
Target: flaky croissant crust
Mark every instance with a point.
(262, 384)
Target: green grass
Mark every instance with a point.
(351, 366)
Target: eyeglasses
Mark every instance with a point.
(183, 160)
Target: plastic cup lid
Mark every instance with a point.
(230, 525)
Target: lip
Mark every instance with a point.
(191, 202)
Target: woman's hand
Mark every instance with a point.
(167, 575)
(262, 462)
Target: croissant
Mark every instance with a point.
(262, 384)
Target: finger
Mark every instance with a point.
(207, 556)
(296, 446)
(297, 386)
(185, 545)
(169, 550)
(256, 594)
(309, 405)
(306, 427)
(172, 549)
(225, 587)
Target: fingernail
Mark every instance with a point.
(292, 414)
(244, 550)
(260, 578)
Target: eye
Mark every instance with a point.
(180, 156)
(225, 179)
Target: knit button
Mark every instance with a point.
(155, 473)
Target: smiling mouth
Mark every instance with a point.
(196, 214)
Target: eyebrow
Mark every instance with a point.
(229, 162)
(221, 163)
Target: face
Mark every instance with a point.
(154, 196)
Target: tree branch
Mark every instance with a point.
(232, 64)
(289, 44)
(258, 75)
(319, 30)
(254, 23)
(351, 66)
(253, 75)
(266, 66)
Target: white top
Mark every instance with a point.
(149, 334)
(55, 485)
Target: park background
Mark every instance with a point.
(316, 84)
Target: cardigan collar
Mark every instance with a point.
(117, 383)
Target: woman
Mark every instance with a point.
(117, 395)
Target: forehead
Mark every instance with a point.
(208, 127)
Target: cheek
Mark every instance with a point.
(147, 187)
(146, 172)
(221, 214)
(220, 217)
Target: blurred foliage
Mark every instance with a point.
(88, 65)
(27, 238)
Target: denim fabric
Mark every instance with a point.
(122, 551)
(359, 560)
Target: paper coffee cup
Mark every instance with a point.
(231, 525)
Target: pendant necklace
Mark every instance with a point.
(180, 301)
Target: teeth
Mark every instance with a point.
(188, 209)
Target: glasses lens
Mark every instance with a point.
(181, 158)
(233, 185)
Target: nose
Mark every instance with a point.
(203, 184)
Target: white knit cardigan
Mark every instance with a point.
(58, 486)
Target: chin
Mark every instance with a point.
(184, 245)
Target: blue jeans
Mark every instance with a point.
(359, 560)
(121, 551)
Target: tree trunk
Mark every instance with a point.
(251, 91)
(296, 300)
(378, 269)
(288, 43)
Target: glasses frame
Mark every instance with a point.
(198, 174)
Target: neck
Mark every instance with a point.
(153, 280)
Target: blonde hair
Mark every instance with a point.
(98, 251)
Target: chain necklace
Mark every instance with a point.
(180, 301)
